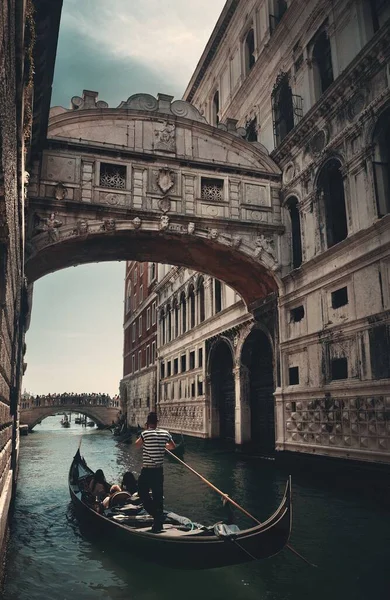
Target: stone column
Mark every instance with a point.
(208, 297)
(279, 419)
(243, 411)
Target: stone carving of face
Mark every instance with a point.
(137, 222)
(164, 222)
(191, 227)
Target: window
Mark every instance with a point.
(183, 363)
(176, 309)
(293, 376)
(215, 109)
(141, 268)
(148, 402)
(162, 327)
(154, 312)
(183, 312)
(133, 363)
(192, 360)
(282, 107)
(128, 297)
(148, 318)
(135, 275)
(211, 189)
(251, 130)
(191, 302)
(200, 357)
(381, 164)
(297, 314)
(147, 356)
(380, 351)
(296, 238)
(339, 297)
(217, 296)
(139, 360)
(200, 386)
(162, 370)
(141, 293)
(379, 13)
(322, 63)
(331, 188)
(249, 51)
(153, 271)
(169, 323)
(169, 368)
(134, 331)
(176, 366)
(112, 176)
(339, 368)
(201, 300)
(192, 389)
(153, 352)
(277, 8)
(140, 326)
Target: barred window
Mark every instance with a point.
(212, 189)
(112, 176)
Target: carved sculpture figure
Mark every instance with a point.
(50, 225)
(137, 223)
(164, 223)
(109, 225)
(60, 191)
(166, 138)
(165, 179)
(264, 244)
(191, 227)
(82, 227)
(214, 233)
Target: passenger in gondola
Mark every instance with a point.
(98, 485)
(129, 483)
(114, 489)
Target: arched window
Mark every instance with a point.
(191, 301)
(217, 296)
(283, 108)
(183, 306)
(201, 300)
(169, 323)
(128, 297)
(322, 62)
(215, 109)
(249, 50)
(176, 316)
(162, 327)
(296, 239)
(277, 8)
(331, 188)
(381, 164)
(251, 130)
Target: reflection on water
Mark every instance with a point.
(337, 525)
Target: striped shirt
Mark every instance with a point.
(154, 441)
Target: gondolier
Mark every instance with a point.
(153, 442)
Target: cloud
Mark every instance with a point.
(122, 48)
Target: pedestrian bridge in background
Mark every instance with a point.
(151, 180)
(31, 414)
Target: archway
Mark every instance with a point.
(223, 396)
(257, 357)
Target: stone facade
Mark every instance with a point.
(22, 69)
(311, 84)
(138, 386)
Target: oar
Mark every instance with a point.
(227, 497)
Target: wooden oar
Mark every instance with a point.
(227, 497)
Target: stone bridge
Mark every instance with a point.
(150, 180)
(103, 416)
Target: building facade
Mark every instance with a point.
(29, 35)
(310, 84)
(139, 386)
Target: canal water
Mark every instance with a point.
(340, 523)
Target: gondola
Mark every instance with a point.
(65, 421)
(182, 544)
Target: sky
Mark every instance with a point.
(117, 48)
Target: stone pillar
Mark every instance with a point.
(243, 411)
(279, 419)
(208, 297)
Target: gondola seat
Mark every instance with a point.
(119, 499)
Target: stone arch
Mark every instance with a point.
(220, 365)
(257, 364)
(52, 411)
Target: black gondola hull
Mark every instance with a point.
(192, 551)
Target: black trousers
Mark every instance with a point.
(152, 479)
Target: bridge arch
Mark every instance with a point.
(101, 415)
(151, 181)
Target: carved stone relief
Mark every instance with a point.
(165, 179)
(191, 227)
(60, 191)
(50, 225)
(164, 223)
(166, 138)
(264, 244)
(137, 223)
(109, 225)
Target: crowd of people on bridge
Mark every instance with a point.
(65, 399)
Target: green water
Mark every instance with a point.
(338, 523)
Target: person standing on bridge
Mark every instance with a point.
(153, 442)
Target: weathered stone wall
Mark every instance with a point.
(138, 394)
(10, 256)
